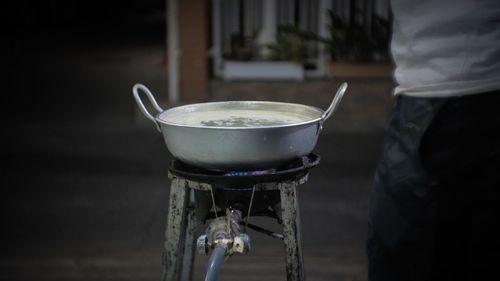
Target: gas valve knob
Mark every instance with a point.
(202, 245)
(241, 244)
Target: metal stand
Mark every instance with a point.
(183, 221)
(291, 231)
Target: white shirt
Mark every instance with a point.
(446, 47)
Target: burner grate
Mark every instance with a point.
(290, 171)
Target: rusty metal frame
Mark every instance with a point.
(290, 216)
(183, 220)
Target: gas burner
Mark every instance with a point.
(249, 173)
(224, 201)
(289, 171)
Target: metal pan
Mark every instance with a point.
(239, 135)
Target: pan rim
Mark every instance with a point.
(208, 104)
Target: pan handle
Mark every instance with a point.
(143, 109)
(333, 106)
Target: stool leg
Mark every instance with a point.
(190, 240)
(291, 231)
(176, 228)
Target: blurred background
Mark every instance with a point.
(85, 190)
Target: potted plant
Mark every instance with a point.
(284, 62)
(356, 53)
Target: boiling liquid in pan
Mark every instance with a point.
(237, 118)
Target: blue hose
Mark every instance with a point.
(215, 263)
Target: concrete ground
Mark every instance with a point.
(85, 188)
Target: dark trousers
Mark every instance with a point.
(435, 203)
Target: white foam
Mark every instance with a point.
(236, 118)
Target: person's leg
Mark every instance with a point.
(461, 150)
(400, 245)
